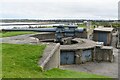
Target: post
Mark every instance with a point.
(118, 44)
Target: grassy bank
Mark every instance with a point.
(20, 61)
(14, 33)
(0, 61)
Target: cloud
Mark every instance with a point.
(59, 9)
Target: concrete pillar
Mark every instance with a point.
(93, 54)
(103, 55)
(106, 55)
(78, 56)
(111, 55)
(98, 54)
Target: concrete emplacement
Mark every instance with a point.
(77, 46)
(70, 46)
(76, 50)
(82, 52)
(73, 51)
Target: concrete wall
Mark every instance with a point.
(104, 54)
(51, 57)
(45, 35)
(50, 35)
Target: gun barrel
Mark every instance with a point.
(66, 30)
(32, 29)
(80, 30)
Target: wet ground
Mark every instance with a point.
(101, 68)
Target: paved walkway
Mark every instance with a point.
(101, 68)
(21, 39)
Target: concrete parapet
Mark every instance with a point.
(44, 35)
(51, 57)
(51, 35)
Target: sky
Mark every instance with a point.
(59, 9)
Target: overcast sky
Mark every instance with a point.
(59, 9)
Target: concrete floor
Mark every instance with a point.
(101, 68)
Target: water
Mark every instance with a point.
(5, 26)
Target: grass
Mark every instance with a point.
(0, 61)
(82, 25)
(58, 73)
(20, 61)
(14, 33)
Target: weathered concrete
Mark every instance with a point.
(51, 57)
(118, 43)
(104, 53)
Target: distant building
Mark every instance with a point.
(88, 24)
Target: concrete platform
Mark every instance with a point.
(82, 44)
